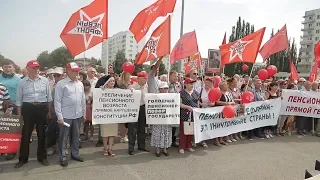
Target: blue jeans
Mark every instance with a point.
(64, 133)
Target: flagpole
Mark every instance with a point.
(84, 60)
(107, 58)
(181, 32)
(107, 41)
(250, 75)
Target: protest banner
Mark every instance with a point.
(115, 106)
(209, 123)
(10, 133)
(162, 108)
(300, 103)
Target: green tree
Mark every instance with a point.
(60, 57)
(239, 31)
(162, 69)
(1, 59)
(120, 60)
(45, 60)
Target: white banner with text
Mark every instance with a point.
(209, 123)
(115, 106)
(162, 108)
(300, 103)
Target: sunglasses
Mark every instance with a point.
(195, 73)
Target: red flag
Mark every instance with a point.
(193, 62)
(224, 41)
(142, 22)
(277, 43)
(242, 50)
(317, 51)
(86, 28)
(293, 72)
(186, 46)
(314, 73)
(158, 45)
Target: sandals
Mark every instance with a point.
(109, 153)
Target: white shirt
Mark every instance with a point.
(143, 89)
(204, 96)
(93, 82)
(69, 99)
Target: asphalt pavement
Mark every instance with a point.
(280, 158)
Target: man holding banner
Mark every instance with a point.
(137, 129)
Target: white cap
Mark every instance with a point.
(163, 85)
(302, 80)
(58, 70)
(50, 71)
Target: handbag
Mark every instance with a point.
(188, 127)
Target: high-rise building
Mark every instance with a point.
(122, 41)
(311, 35)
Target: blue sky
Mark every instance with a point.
(30, 27)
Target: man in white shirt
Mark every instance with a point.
(194, 76)
(70, 108)
(137, 129)
(153, 81)
(91, 77)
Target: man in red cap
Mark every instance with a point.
(70, 108)
(33, 103)
(138, 128)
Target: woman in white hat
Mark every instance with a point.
(162, 134)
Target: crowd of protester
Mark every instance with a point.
(49, 99)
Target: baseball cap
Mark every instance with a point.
(33, 64)
(143, 74)
(50, 71)
(302, 80)
(188, 80)
(163, 85)
(58, 70)
(209, 79)
(73, 67)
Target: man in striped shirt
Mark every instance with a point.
(4, 95)
(33, 102)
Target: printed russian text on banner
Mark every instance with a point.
(300, 103)
(115, 106)
(163, 108)
(209, 123)
(10, 133)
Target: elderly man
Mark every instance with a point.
(174, 88)
(33, 103)
(53, 131)
(92, 77)
(315, 86)
(300, 84)
(194, 76)
(138, 128)
(259, 95)
(70, 108)
(153, 82)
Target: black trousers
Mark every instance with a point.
(52, 132)
(138, 130)
(174, 138)
(301, 123)
(33, 115)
